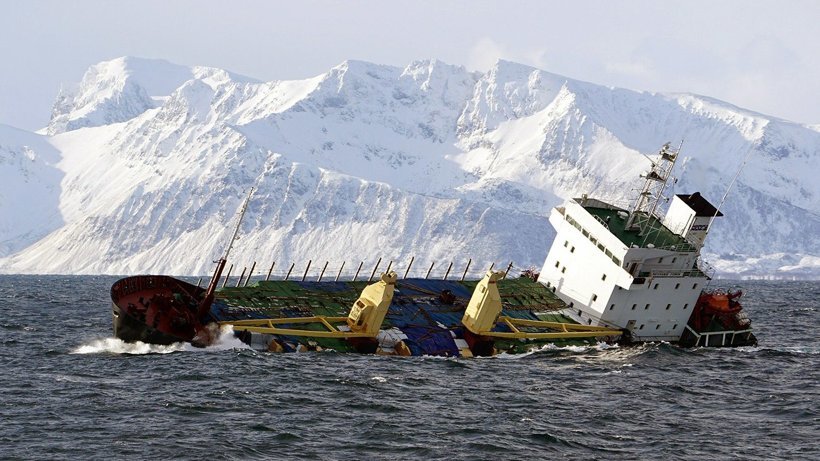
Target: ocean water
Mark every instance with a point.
(71, 391)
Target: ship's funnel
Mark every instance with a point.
(689, 216)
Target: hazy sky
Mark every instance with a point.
(760, 55)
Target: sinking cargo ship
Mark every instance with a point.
(611, 275)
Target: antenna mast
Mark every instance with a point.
(729, 188)
(205, 305)
(238, 223)
(644, 210)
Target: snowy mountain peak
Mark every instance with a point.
(115, 91)
(429, 160)
(448, 83)
(157, 77)
(351, 73)
(431, 73)
(503, 71)
(509, 91)
(123, 88)
(29, 188)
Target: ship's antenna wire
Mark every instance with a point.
(731, 184)
(208, 297)
(238, 223)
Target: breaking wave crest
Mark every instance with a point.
(601, 346)
(118, 346)
(226, 341)
(806, 349)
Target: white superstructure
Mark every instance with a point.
(631, 269)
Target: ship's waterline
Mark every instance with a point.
(644, 260)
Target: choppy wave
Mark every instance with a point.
(118, 346)
(796, 349)
(79, 398)
(551, 348)
(226, 341)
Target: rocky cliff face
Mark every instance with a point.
(148, 161)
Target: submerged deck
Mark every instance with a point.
(428, 312)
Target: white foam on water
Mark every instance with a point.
(601, 346)
(118, 346)
(811, 350)
(225, 341)
(807, 349)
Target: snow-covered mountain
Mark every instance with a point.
(145, 163)
(29, 189)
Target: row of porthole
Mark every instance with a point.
(677, 285)
(646, 308)
(581, 314)
(592, 239)
(657, 326)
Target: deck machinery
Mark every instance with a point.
(642, 272)
(611, 274)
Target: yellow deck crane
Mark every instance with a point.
(484, 313)
(370, 309)
(363, 321)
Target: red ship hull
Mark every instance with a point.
(156, 309)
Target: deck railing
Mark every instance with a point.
(362, 271)
(704, 339)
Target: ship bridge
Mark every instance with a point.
(631, 269)
(660, 237)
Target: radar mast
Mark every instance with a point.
(643, 214)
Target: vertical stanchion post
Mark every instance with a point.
(469, 261)
(508, 269)
(306, 270)
(253, 266)
(357, 270)
(491, 266)
(374, 270)
(389, 265)
(290, 270)
(239, 282)
(409, 266)
(227, 275)
(270, 271)
(429, 270)
(340, 272)
(448, 270)
(323, 271)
